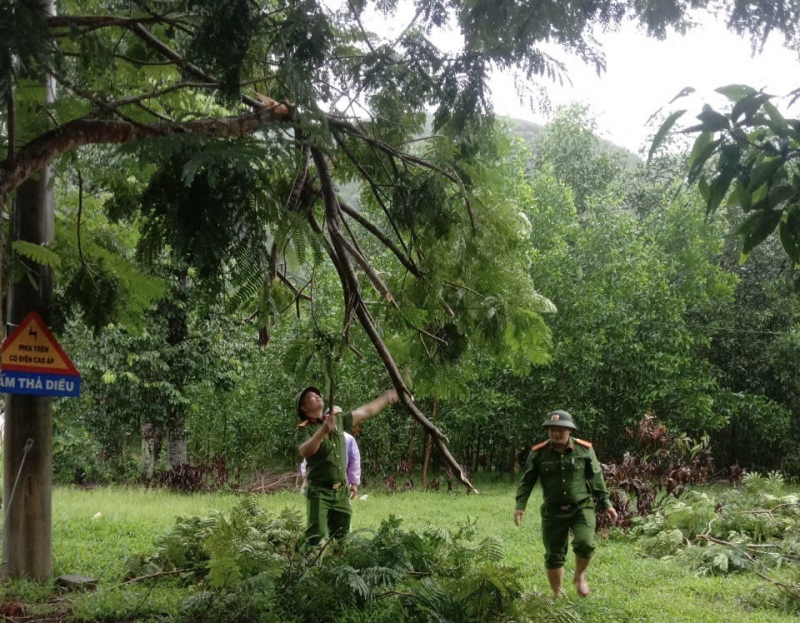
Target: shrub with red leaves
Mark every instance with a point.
(191, 478)
(663, 465)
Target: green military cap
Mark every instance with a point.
(298, 400)
(560, 418)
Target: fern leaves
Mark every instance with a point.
(248, 567)
(37, 253)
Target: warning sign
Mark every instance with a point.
(33, 362)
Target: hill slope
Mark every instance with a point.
(529, 131)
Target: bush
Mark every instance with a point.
(78, 458)
(663, 466)
(197, 476)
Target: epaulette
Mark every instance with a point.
(539, 446)
(583, 442)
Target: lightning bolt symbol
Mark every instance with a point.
(33, 333)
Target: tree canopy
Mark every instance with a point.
(747, 156)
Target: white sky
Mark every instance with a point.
(644, 74)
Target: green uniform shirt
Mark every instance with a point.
(568, 478)
(329, 465)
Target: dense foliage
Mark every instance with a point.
(750, 150)
(652, 313)
(280, 179)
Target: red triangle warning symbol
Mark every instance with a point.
(33, 348)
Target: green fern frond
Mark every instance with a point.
(37, 253)
(491, 549)
(246, 292)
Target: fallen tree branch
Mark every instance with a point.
(460, 286)
(372, 275)
(792, 589)
(377, 192)
(707, 537)
(269, 481)
(387, 242)
(349, 128)
(297, 292)
(350, 283)
(160, 574)
(162, 48)
(94, 99)
(94, 22)
(134, 99)
(78, 233)
(348, 299)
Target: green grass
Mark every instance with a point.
(625, 586)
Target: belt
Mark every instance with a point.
(568, 507)
(324, 485)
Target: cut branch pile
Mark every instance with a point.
(664, 465)
(751, 529)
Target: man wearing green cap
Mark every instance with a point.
(320, 440)
(570, 474)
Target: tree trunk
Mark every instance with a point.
(152, 440)
(410, 465)
(224, 437)
(28, 435)
(177, 333)
(429, 444)
(176, 452)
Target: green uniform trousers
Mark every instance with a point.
(556, 524)
(328, 511)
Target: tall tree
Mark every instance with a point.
(28, 437)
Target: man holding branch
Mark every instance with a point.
(319, 438)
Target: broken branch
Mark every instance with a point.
(350, 283)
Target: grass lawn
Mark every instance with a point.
(625, 586)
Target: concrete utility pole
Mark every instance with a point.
(27, 529)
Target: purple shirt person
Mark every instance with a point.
(353, 463)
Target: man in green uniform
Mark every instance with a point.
(320, 440)
(570, 474)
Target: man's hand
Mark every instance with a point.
(518, 515)
(329, 425)
(391, 396)
(612, 514)
(353, 491)
(370, 409)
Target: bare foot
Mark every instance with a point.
(581, 585)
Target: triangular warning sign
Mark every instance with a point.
(33, 348)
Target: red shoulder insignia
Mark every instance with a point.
(583, 442)
(539, 446)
